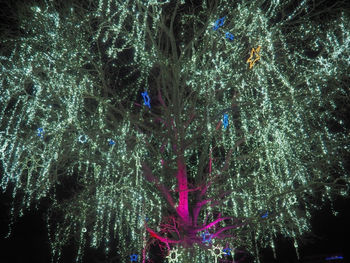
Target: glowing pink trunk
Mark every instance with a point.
(182, 208)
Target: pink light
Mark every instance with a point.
(182, 208)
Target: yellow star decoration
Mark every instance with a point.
(256, 52)
(176, 255)
(216, 251)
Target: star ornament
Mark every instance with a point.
(252, 61)
(133, 258)
(206, 237)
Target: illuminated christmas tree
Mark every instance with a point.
(199, 128)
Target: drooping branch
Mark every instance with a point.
(189, 120)
(161, 187)
(216, 234)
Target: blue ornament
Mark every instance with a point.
(133, 258)
(229, 36)
(146, 98)
(227, 251)
(40, 132)
(265, 215)
(225, 120)
(206, 237)
(111, 142)
(219, 23)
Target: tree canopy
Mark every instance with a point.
(201, 127)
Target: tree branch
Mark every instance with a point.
(216, 234)
(151, 178)
(212, 224)
(160, 238)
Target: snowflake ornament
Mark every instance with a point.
(173, 255)
(217, 251)
(83, 138)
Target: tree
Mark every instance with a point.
(195, 127)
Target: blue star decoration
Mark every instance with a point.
(225, 120)
(146, 99)
(133, 258)
(219, 23)
(229, 36)
(206, 237)
(40, 132)
(227, 251)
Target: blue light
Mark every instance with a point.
(225, 120)
(205, 239)
(227, 251)
(334, 258)
(133, 258)
(265, 215)
(229, 36)
(146, 98)
(40, 132)
(219, 23)
(111, 142)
